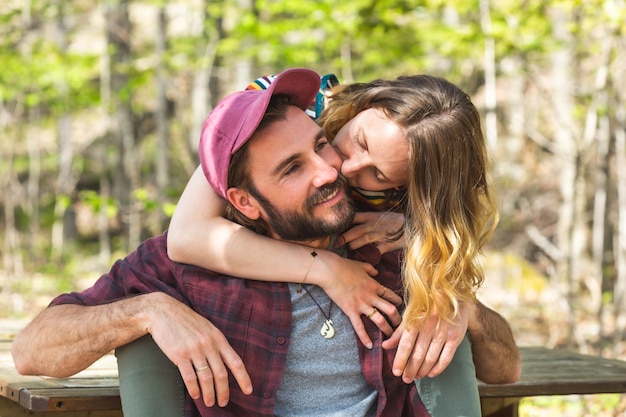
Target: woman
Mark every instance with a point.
(415, 144)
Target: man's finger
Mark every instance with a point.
(190, 379)
(217, 382)
(238, 369)
(205, 377)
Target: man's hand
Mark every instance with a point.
(427, 349)
(199, 350)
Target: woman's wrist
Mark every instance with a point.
(319, 272)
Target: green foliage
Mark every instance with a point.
(98, 203)
(571, 405)
(148, 202)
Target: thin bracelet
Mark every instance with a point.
(313, 255)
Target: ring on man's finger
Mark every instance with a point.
(374, 311)
(201, 368)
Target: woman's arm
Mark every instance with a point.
(199, 235)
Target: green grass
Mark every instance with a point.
(599, 405)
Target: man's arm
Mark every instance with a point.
(496, 356)
(65, 339)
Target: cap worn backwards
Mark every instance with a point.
(233, 121)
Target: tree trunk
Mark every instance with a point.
(491, 123)
(162, 151)
(13, 266)
(34, 179)
(201, 91)
(619, 295)
(126, 179)
(566, 147)
(596, 134)
(66, 178)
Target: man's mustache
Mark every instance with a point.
(327, 190)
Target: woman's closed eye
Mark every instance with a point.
(359, 142)
(378, 176)
(321, 145)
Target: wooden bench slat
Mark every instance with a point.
(71, 399)
(560, 372)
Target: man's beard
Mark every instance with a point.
(302, 225)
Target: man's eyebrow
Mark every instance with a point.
(276, 171)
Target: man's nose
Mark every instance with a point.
(325, 173)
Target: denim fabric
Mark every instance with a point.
(454, 392)
(150, 384)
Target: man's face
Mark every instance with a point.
(296, 183)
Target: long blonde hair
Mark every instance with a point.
(450, 210)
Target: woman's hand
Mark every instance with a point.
(350, 285)
(377, 228)
(428, 348)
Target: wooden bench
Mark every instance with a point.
(94, 392)
(553, 372)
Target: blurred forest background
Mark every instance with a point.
(101, 105)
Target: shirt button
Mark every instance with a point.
(280, 340)
(267, 394)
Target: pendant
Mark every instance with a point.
(328, 331)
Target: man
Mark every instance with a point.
(273, 329)
(290, 158)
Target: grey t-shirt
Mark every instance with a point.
(322, 376)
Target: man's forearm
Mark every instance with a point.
(496, 356)
(65, 339)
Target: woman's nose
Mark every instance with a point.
(351, 166)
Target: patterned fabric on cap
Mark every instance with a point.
(261, 83)
(328, 81)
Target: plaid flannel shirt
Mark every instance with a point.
(255, 317)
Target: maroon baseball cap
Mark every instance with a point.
(231, 123)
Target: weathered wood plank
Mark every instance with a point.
(71, 399)
(10, 408)
(561, 372)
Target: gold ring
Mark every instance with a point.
(202, 368)
(384, 291)
(374, 311)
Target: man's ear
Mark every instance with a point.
(244, 202)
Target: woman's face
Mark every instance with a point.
(374, 150)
